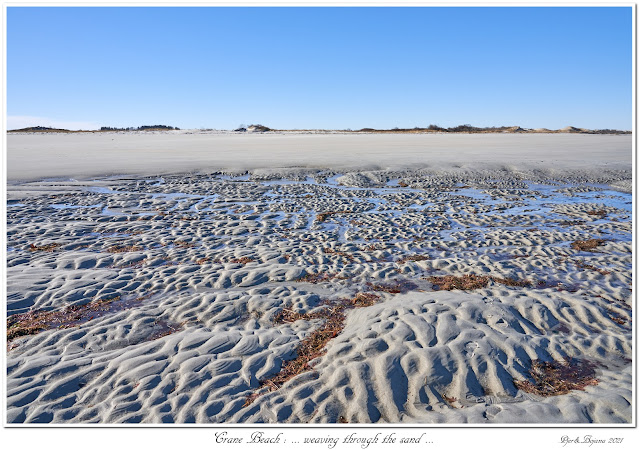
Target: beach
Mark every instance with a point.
(35, 156)
(211, 277)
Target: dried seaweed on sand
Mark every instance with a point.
(44, 248)
(472, 281)
(587, 246)
(314, 345)
(557, 378)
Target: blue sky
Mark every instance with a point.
(335, 68)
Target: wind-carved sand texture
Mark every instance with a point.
(453, 299)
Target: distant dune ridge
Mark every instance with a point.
(257, 128)
(41, 129)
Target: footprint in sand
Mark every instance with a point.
(492, 411)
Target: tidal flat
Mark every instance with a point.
(321, 296)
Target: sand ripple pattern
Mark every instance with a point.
(205, 263)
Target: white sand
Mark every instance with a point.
(36, 156)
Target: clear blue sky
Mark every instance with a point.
(336, 68)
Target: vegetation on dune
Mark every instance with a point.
(140, 128)
(467, 128)
(254, 128)
(41, 129)
(258, 128)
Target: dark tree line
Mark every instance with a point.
(141, 128)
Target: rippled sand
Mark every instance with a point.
(195, 269)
